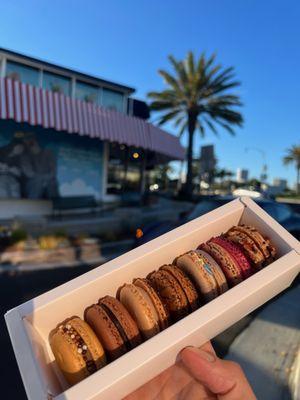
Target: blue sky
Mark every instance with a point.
(128, 41)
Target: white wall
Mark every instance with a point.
(11, 208)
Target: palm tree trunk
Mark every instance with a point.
(189, 177)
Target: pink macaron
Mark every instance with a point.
(235, 252)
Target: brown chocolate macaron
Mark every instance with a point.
(177, 292)
(77, 351)
(144, 305)
(114, 326)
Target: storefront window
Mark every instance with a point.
(113, 100)
(57, 83)
(87, 92)
(22, 73)
(123, 170)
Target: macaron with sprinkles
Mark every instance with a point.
(228, 264)
(76, 349)
(204, 272)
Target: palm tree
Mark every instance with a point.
(197, 97)
(293, 157)
(223, 173)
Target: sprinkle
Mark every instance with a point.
(72, 336)
(84, 347)
(68, 327)
(79, 350)
(60, 327)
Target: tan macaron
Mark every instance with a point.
(162, 312)
(76, 349)
(140, 306)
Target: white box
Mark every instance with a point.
(30, 323)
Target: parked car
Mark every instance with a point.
(282, 213)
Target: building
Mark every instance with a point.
(278, 187)
(207, 163)
(65, 133)
(242, 175)
(281, 184)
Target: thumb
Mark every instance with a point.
(225, 379)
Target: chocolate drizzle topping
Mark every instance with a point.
(82, 348)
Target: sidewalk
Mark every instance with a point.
(109, 251)
(118, 219)
(268, 349)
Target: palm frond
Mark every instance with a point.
(200, 88)
(292, 156)
(211, 126)
(288, 160)
(180, 70)
(182, 128)
(170, 80)
(168, 116)
(200, 127)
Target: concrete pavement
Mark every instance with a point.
(268, 349)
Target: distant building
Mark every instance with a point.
(207, 162)
(242, 175)
(278, 187)
(280, 183)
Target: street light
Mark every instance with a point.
(264, 169)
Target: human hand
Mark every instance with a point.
(197, 375)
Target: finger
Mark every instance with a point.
(205, 347)
(223, 378)
(208, 347)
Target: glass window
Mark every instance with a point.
(86, 92)
(57, 83)
(22, 73)
(113, 100)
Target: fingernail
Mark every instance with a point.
(205, 355)
(178, 357)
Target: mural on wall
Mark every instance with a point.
(27, 169)
(45, 165)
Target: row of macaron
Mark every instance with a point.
(146, 306)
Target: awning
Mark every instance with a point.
(39, 107)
